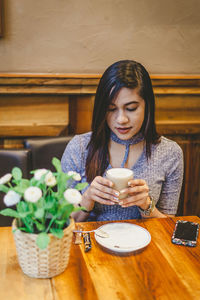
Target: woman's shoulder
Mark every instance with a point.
(169, 143)
(81, 139)
(168, 146)
(75, 152)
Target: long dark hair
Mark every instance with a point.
(124, 73)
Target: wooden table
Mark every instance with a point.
(162, 271)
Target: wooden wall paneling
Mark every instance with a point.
(49, 84)
(177, 107)
(14, 143)
(184, 143)
(80, 113)
(189, 203)
(177, 103)
(166, 83)
(73, 115)
(178, 113)
(174, 94)
(85, 108)
(33, 115)
(192, 189)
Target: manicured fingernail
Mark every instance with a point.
(117, 193)
(122, 191)
(116, 199)
(121, 203)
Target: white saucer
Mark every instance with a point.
(123, 237)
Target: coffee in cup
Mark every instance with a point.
(120, 178)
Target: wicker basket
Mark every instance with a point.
(45, 263)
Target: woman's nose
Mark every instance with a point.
(122, 117)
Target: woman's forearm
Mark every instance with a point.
(80, 216)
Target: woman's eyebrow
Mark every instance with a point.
(131, 102)
(128, 103)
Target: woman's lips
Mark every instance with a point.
(123, 130)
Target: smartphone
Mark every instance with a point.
(185, 233)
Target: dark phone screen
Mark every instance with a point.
(186, 231)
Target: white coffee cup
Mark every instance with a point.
(120, 177)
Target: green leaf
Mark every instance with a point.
(57, 232)
(65, 211)
(18, 190)
(62, 183)
(16, 173)
(81, 186)
(22, 186)
(42, 240)
(23, 215)
(22, 229)
(24, 183)
(39, 226)
(39, 213)
(60, 223)
(9, 212)
(4, 188)
(49, 203)
(57, 164)
(33, 171)
(53, 210)
(39, 183)
(79, 208)
(33, 181)
(22, 207)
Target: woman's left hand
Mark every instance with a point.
(138, 194)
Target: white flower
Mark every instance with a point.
(32, 194)
(11, 198)
(73, 196)
(76, 176)
(6, 178)
(50, 179)
(38, 174)
(70, 173)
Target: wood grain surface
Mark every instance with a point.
(160, 271)
(177, 102)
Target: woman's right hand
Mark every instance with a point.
(100, 190)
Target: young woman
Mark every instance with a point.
(124, 135)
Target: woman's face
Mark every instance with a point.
(125, 114)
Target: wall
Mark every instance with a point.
(79, 36)
(75, 36)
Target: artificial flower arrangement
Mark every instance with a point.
(44, 203)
